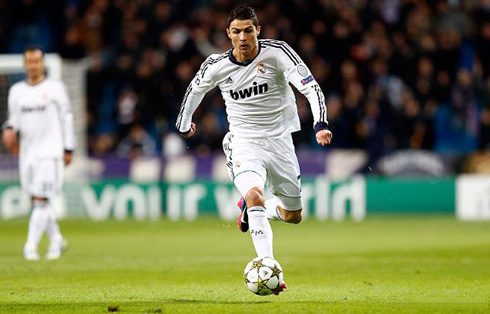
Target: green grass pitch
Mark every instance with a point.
(384, 264)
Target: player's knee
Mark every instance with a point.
(38, 198)
(294, 217)
(255, 197)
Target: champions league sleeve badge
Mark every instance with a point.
(302, 70)
(307, 80)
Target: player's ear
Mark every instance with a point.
(258, 30)
(228, 33)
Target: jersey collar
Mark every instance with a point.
(235, 61)
(38, 83)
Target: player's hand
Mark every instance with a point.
(324, 137)
(9, 139)
(191, 132)
(67, 157)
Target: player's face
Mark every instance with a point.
(34, 63)
(243, 35)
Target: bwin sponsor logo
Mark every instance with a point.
(33, 109)
(249, 92)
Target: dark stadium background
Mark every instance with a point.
(397, 75)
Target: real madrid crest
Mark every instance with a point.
(261, 68)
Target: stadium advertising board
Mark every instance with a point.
(473, 197)
(322, 199)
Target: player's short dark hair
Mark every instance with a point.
(34, 48)
(241, 13)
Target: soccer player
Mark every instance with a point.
(254, 78)
(39, 111)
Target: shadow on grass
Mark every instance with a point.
(162, 304)
(197, 301)
(170, 301)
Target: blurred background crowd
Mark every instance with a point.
(396, 74)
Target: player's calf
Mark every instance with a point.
(254, 197)
(293, 217)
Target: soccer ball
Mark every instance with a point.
(263, 275)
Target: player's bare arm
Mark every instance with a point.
(324, 137)
(67, 157)
(191, 132)
(9, 138)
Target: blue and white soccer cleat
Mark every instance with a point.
(56, 249)
(243, 218)
(31, 255)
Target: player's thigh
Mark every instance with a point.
(284, 178)
(244, 163)
(45, 177)
(26, 173)
(228, 150)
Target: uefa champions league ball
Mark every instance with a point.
(263, 275)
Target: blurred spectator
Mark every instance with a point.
(102, 144)
(173, 145)
(136, 144)
(484, 90)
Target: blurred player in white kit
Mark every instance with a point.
(40, 113)
(254, 78)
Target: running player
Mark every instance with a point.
(39, 111)
(254, 79)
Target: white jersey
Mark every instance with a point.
(42, 115)
(259, 101)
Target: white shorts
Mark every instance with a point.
(271, 161)
(42, 177)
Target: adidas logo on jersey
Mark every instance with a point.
(229, 80)
(249, 92)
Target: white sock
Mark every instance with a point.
(261, 231)
(53, 229)
(37, 225)
(271, 210)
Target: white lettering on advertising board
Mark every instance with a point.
(473, 197)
